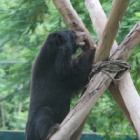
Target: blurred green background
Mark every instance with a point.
(24, 25)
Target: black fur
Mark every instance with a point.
(55, 78)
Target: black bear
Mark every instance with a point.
(55, 78)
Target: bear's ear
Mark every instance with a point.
(58, 38)
(52, 44)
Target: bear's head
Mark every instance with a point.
(67, 38)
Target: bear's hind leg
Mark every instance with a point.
(42, 124)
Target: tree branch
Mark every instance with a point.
(129, 95)
(117, 11)
(95, 11)
(72, 19)
(127, 89)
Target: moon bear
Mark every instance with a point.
(56, 76)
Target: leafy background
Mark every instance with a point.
(24, 25)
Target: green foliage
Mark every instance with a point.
(106, 117)
(24, 25)
(129, 20)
